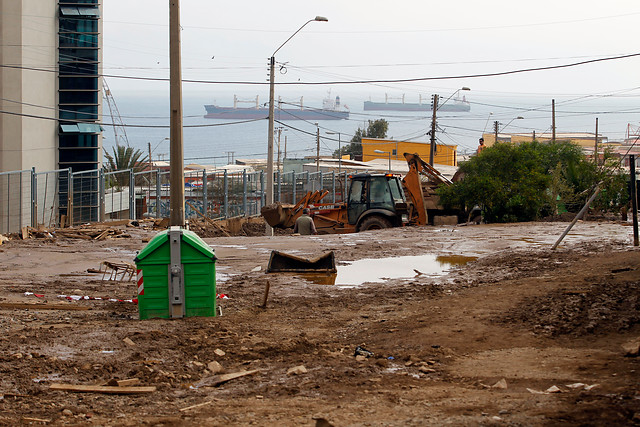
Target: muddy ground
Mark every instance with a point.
(518, 335)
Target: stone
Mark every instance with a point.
(219, 352)
(297, 370)
(360, 358)
(502, 384)
(215, 367)
(67, 413)
(129, 342)
(426, 370)
(632, 348)
(553, 389)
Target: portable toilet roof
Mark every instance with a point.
(157, 250)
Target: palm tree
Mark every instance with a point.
(122, 159)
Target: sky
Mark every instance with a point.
(446, 45)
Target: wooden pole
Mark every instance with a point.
(432, 148)
(266, 295)
(177, 215)
(634, 199)
(577, 217)
(595, 148)
(553, 120)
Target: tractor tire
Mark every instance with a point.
(375, 222)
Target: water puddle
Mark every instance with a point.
(382, 269)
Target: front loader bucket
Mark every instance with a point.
(274, 214)
(285, 263)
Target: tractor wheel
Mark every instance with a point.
(375, 223)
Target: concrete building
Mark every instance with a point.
(50, 89)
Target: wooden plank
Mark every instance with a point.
(102, 389)
(208, 402)
(216, 380)
(23, 305)
(122, 383)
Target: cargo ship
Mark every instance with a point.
(456, 104)
(331, 110)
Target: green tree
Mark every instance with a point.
(523, 182)
(375, 129)
(123, 158)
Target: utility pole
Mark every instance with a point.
(595, 149)
(553, 120)
(150, 169)
(432, 149)
(278, 160)
(177, 216)
(317, 148)
(496, 127)
(634, 199)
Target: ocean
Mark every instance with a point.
(219, 142)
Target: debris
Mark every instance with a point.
(208, 402)
(632, 348)
(215, 367)
(532, 391)
(217, 380)
(266, 295)
(553, 389)
(36, 420)
(30, 306)
(258, 268)
(297, 370)
(280, 262)
(122, 383)
(3, 239)
(67, 413)
(502, 384)
(101, 389)
(361, 351)
(360, 358)
(117, 271)
(129, 342)
(322, 422)
(219, 352)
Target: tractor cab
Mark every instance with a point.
(376, 201)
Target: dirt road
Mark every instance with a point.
(508, 333)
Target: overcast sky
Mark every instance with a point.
(377, 40)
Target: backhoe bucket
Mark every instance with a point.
(286, 263)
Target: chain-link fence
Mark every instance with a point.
(59, 198)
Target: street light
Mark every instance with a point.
(453, 94)
(497, 125)
(385, 152)
(272, 62)
(339, 151)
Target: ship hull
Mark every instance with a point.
(215, 112)
(399, 106)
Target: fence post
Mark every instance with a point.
(226, 194)
(295, 196)
(244, 193)
(205, 201)
(158, 193)
(279, 186)
(34, 198)
(333, 185)
(102, 196)
(262, 195)
(132, 195)
(70, 197)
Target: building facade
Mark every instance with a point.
(374, 148)
(51, 91)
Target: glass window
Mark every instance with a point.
(78, 112)
(78, 83)
(75, 68)
(77, 97)
(69, 25)
(78, 155)
(380, 194)
(78, 55)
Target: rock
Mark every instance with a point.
(322, 422)
(67, 413)
(129, 342)
(553, 389)
(426, 370)
(219, 352)
(360, 358)
(297, 370)
(502, 384)
(198, 364)
(632, 348)
(215, 367)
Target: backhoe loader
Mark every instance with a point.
(374, 201)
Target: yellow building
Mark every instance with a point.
(582, 139)
(445, 154)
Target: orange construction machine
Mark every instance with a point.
(375, 201)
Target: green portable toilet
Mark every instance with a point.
(176, 276)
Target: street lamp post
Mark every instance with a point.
(497, 126)
(385, 152)
(339, 151)
(272, 63)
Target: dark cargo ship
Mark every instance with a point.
(331, 110)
